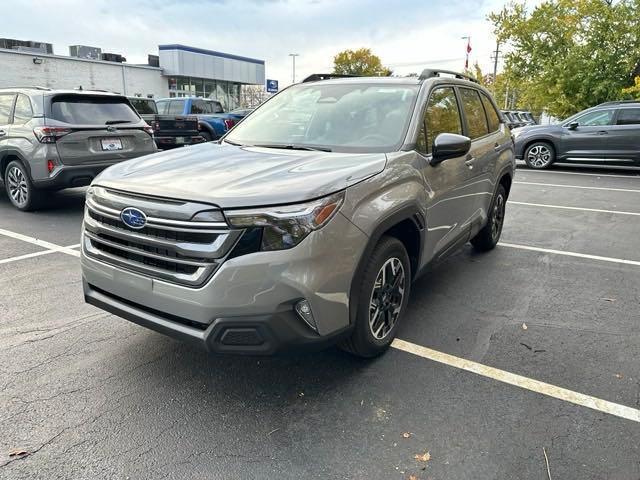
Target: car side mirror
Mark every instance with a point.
(573, 125)
(449, 145)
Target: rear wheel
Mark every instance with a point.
(488, 237)
(20, 189)
(539, 155)
(383, 298)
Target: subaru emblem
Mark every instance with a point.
(133, 218)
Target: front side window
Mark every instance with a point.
(441, 116)
(474, 112)
(92, 110)
(144, 106)
(628, 116)
(6, 102)
(492, 115)
(217, 107)
(595, 119)
(347, 117)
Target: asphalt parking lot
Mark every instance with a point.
(504, 357)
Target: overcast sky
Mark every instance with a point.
(421, 32)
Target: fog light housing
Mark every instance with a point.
(303, 309)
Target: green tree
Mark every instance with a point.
(359, 62)
(567, 55)
(634, 90)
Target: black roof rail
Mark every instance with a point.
(618, 102)
(326, 76)
(431, 73)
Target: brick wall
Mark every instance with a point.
(17, 69)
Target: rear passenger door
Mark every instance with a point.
(449, 212)
(482, 158)
(22, 137)
(6, 106)
(624, 137)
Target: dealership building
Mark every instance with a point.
(177, 71)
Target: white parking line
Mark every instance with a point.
(598, 210)
(530, 384)
(40, 243)
(570, 254)
(635, 175)
(579, 186)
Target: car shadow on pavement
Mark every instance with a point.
(63, 201)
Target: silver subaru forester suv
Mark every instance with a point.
(306, 225)
(54, 139)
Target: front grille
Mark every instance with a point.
(167, 248)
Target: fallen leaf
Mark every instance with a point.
(425, 457)
(618, 375)
(18, 452)
(524, 326)
(406, 435)
(412, 477)
(609, 299)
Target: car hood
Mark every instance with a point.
(232, 176)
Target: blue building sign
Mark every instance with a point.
(272, 86)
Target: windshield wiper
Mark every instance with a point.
(233, 143)
(113, 122)
(294, 147)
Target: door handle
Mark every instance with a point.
(469, 162)
(497, 147)
(2, 133)
(603, 132)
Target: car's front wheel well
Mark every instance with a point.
(506, 181)
(409, 234)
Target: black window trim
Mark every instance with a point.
(486, 114)
(617, 114)
(614, 117)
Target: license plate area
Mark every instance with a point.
(111, 144)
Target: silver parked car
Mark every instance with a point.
(54, 139)
(308, 223)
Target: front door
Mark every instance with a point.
(449, 211)
(589, 140)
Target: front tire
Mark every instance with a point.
(487, 238)
(539, 155)
(20, 189)
(384, 293)
(207, 136)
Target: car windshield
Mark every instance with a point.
(347, 117)
(94, 110)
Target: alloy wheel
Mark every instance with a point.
(387, 298)
(539, 156)
(497, 217)
(17, 186)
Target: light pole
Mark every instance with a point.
(293, 58)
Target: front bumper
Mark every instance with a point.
(248, 304)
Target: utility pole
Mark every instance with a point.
(293, 58)
(496, 55)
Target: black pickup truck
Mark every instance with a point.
(169, 131)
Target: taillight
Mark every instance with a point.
(149, 129)
(50, 134)
(229, 123)
(50, 165)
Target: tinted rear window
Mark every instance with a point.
(144, 106)
(84, 110)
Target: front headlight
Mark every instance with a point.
(286, 226)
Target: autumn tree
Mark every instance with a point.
(567, 55)
(359, 62)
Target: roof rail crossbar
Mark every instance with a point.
(326, 76)
(431, 73)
